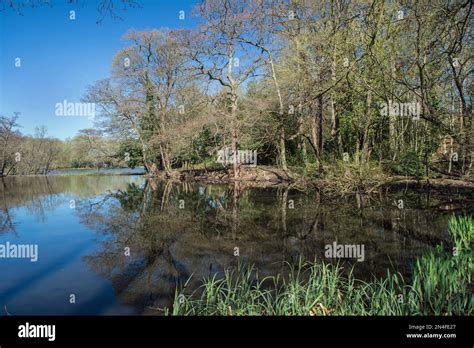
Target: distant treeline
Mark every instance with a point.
(39, 154)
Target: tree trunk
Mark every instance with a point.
(235, 164)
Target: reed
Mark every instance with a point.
(440, 285)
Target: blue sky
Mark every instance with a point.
(61, 57)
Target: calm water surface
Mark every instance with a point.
(86, 226)
(99, 171)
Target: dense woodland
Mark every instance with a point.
(317, 88)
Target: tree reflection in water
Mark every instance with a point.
(178, 231)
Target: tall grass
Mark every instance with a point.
(440, 285)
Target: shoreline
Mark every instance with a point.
(269, 176)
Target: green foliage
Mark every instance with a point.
(408, 163)
(461, 231)
(202, 149)
(440, 284)
(130, 152)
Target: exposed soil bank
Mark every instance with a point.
(403, 182)
(271, 176)
(261, 176)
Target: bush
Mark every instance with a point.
(408, 164)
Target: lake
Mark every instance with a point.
(120, 244)
(99, 171)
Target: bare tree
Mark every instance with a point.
(139, 100)
(218, 53)
(104, 7)
(9, 143)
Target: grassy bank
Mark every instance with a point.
(440, 285)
